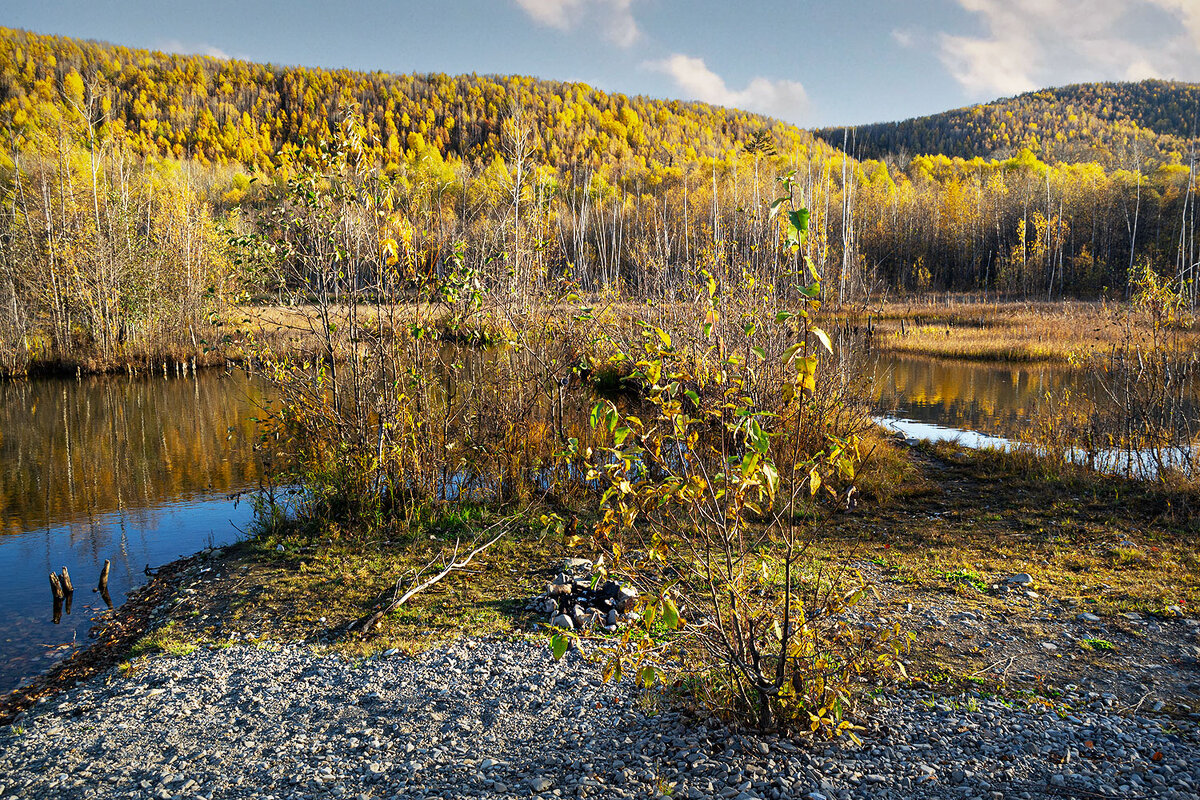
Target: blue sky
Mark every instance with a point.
(813, 63)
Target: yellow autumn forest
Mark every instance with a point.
(127, 173)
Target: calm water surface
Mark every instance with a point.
(135, 470)
(999, 399)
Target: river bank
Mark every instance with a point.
(1057, 649)
(965, 327)
(501, 719)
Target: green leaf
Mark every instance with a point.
(621, 434)
(559, 644)
(797, 226)
(790, 353)
(760, 352)
(759, 440)
(670, 615)
(749, 463)
(594, 417)
(776, 204)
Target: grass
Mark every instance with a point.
(966, 523)
(968, 577)
(317, 586)
(1098, 645)
(991, 515)
(952, 524)
(964, 328)
(169, 639)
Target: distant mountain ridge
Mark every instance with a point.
(1116, 124)
(215, 111)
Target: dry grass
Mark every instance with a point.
(1007, 331)
(958, 327)
(1097, 543)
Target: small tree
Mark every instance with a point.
(708, 505)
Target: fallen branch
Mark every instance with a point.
(370, 623)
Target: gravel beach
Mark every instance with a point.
(501, 719)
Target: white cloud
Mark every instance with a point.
(622, 28)
(552, 13)
(984, 66)
(904, 37)
(614, 16)
(783, 98)
(192, 49)
(1033, 43)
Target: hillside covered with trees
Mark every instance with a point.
(141, 193)
(1116, 124)
(230, 112)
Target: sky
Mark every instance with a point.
(815, 64)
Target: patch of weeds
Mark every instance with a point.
(1126, 557)
(663, 787)
(167, 639)
(1097, 645)
(969, 577)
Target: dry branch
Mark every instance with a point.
(368, 624)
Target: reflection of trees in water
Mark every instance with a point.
(994, 398)
(71, 450)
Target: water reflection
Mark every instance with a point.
(997, 406)
(73, 449)
(132, 470)
(997, 398)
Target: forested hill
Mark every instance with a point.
(1115, 124)
(216, 111)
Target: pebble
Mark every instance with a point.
(503, 719)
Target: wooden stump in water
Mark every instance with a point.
(56, 587)
(68, 587)
(102, 588)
